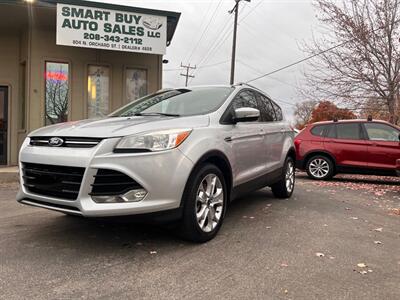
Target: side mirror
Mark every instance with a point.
(246, 114)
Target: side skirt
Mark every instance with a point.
(257, 183)
(365, 171)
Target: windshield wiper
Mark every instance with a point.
(156, 114)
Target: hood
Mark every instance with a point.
(116, 127)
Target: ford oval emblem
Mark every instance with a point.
(56, 142)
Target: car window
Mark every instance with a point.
(184, 102)
(381, 132)
(331, 132)
(350, 131)
(267, 110)
(318, 130)
(245, 99)
(278, 111)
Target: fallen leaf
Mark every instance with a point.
(361, 265)
(378, 229)
(396, 211)
(363, 272)
(268, 227)
(153, 252)
(369, 271)
(319, 254)
(354, 218)
(251, 217)
(331, 257)
(284, 265)
(377, 242)
(348, 208)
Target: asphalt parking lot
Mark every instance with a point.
(332, 240)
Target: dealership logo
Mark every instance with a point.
(152, 23)
(56, 142)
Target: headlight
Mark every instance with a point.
(153, 141)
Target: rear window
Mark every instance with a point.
(318, 130)
(349, 131)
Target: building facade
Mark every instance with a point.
(50, 73)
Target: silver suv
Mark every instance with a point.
(179, 154)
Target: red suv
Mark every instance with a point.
(325, 149)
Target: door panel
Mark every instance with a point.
(348, 146)
(383, 145)
(247, 145)
(383, 154)
(3, 124)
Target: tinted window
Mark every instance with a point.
(350, 131)
(331, 132)
(278, 111)
(318, 130)
(381, 132)
(267, 109)
(184, 102)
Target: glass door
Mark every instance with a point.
(3, 124)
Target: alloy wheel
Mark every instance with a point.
(319, 168)
(209, 203)
(289, 176)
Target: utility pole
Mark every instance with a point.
(233, 62)
(187, 75)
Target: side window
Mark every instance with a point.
(278, 111)
(331, 132)
(350, 131)
(381, 132)
(245, 99)
(318, 130)
(267, 110)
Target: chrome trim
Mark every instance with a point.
(74, 212)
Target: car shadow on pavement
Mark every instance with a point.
(113, 236)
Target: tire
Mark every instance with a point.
(320, 167)
(196, 225)
(285, 186)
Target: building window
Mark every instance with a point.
(57, 92)
(136, 84)
(98, 95)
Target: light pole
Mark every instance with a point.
(236, 10)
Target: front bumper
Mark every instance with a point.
(162, 174)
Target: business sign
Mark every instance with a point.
(89, 27)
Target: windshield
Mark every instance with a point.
(177, 102)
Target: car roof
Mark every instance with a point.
(350, 121)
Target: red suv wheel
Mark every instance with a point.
(319, 167)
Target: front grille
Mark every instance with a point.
(54, 181)
(72, 142)
(112, 183)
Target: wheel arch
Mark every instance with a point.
(308, 156)
(220, 160)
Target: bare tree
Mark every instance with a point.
(303, 112)
(366, 64)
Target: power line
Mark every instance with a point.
(311, 56)
(299, 61)
(205, 29)
(253, 9)
(201, 67)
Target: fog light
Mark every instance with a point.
(131, 196)
(134, 195)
